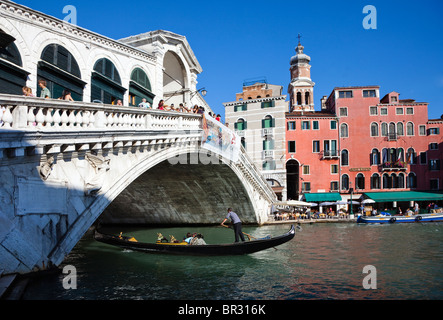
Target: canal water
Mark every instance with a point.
(323, 261)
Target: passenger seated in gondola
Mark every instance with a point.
(161, 238)
(194, 239)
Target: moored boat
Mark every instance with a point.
(426, 217)
(236, 248)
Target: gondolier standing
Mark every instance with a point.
(236, 222)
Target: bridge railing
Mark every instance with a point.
(38, 114)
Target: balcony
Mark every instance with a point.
(268, 154)
(331, 154)
(240, 133)
(394, 166)
(392, 136)
(267, 132)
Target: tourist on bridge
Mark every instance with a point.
(236, 222)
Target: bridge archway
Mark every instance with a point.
(131, 176)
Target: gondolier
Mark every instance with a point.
(236, 222)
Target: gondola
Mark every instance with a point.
(238, 248)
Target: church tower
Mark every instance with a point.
(301, 88)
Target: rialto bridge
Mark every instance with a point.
(65, 164)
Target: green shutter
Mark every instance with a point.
(273, 122)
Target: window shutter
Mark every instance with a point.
(245, 125)
(273, 121)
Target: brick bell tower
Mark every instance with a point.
(301, 87)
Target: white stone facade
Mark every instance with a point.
(34, 31)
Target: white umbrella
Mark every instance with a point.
(313, 204)
(355, 202)
(327, 203)
(296, 203)
(341, 202)
(367, 201)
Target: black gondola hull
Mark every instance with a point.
(237, 248)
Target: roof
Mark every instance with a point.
(322, 196)
(403, 196)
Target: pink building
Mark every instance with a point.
(360, 142)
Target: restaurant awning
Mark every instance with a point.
(403, 196)
(322, 196)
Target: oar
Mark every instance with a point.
(248, 235)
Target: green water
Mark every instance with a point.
(323, 261)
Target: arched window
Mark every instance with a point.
(374, 129)
(345, 182)
(411, 156)
(268, 122)
(140, 88)
(360, 181)
(400, 129)
(12, 78)
(307, 98)
(240, 124)
(375, 181)
(344, 130)
(401, 180)
(387, 181)
(384, 129)
(412, 180)
(106, 83)
(375, 157)
(60, 70)
(299, 98)
(344, 158)
(410, 129)
(392, 128)
(394, 180)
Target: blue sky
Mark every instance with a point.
(238, 40)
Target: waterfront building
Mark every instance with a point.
(258, 117)
(155, 65)
(358, 142)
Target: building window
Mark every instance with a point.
(401, 180)
(412, 180)
(306, 169)
(410, 129)
(374, 129)
(434, 164)
(384, 129)
(343, 112)
(299, 98)
(345, 182)
(269, 165)
(387, 181)
(344, 158)
(333, 124)
(316, 146)
(423, 158)
(240, 125)
(369, 93)
(268, 104)
(375, 157)
(291, 125)
(344, 130)
(411, 156)
(307, 98)
(433, 184)
(306, 187)
(334, 168)
(291, 146)
(345, 94)
(305, 125)
(400, 129)
(394, 99)
(399, 111)
(409, 110)
(384, 111)
(268, 122)
(422, 130)
(434, 131)
(433, 146)
(373, 111)
(360, 181)
(375, 181)
(315, 125)
(334, 185)
(241, 107)
(268, 144)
